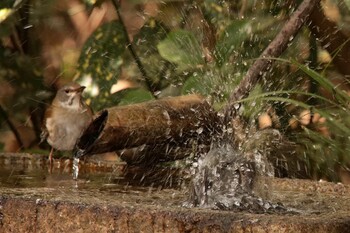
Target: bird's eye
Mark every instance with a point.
(67, 91)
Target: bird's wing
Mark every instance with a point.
(44, 132)
(43, 136)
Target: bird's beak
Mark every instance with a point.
(80, 89)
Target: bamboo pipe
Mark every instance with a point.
(172, 120)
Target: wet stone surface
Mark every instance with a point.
(106, 199)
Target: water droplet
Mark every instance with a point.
(221, 114)
(142, 148)
(181, 132)
(157, 93)
(75, 168)
(199, 130)
(167, 132)
(28, 26)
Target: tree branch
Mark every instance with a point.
(274, 49)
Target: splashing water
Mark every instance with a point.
(75, 168)
(231, 179)
(220, 177)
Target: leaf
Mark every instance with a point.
(341, 95)
(8, 3)
(100, 61)
(245, 39)
(182, 48)
(101, 54)
(196, 84)
(5, 13)
(9, 16)
(135, 95)
(7, 21)
(145, 45)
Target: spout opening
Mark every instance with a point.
(90, 135)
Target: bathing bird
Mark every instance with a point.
(66, 118)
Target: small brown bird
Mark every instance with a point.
(66, 118)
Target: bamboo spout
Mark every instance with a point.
(172, 120)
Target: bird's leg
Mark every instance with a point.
(50, 155)
(50, 159)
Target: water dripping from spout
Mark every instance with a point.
(75, 168)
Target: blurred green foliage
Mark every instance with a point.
(101, 59)
(181, 48)
(145, 44)
(323, 153)
(176, 57)
(22, 70)
(101, 53)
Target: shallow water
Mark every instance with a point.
(132, 194)
(107, 180)
(28, 171)
(34, 171)
(112, 182)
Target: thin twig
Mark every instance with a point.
(274, 49)
(148, 81)
(11, 126)
(16, 41)
(243, 9)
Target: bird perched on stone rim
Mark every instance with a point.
(66, 118)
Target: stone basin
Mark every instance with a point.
(104, 199)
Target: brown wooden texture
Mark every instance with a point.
(150, 154)
(171, 121)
